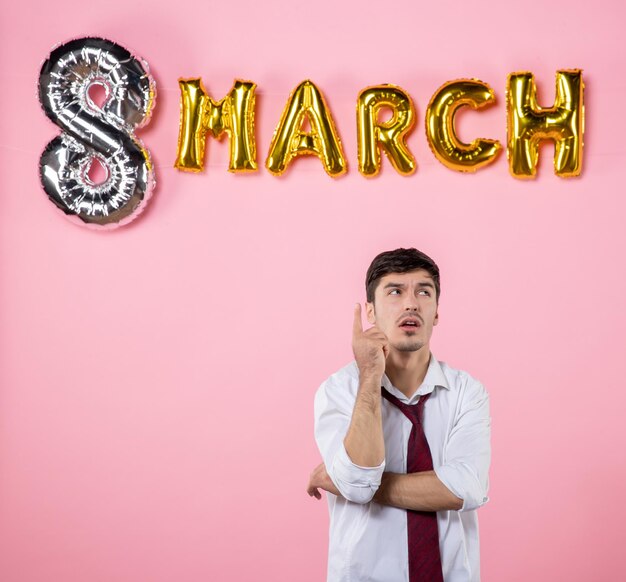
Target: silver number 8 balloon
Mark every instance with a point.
(90, 132)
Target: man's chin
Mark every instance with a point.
(409, 346)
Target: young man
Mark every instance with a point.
(405, 440)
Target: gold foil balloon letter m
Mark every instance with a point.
(528, 124)
(233, 116)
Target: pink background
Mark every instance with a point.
(157, 381)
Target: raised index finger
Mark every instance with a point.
(357, 326)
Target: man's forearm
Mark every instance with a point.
(364, 440)
(421, 491)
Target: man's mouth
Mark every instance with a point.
(410, 323)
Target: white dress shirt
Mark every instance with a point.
(367, 540)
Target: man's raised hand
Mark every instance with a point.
(370, 348)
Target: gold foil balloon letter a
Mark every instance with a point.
(390, 134)
(528, 124)
(306, 102)
(441, 133)
(233, 116)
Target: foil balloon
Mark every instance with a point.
(94, 133)
(390, 135)
(232, 116)
(289, 140)
(528, 124)
(440, 128)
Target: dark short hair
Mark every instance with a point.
(399, 261)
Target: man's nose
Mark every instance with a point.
(411, 303)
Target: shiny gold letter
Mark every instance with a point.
(289, 141)
(528, 124)
(442, 138)
(389, 134)
(233, 115)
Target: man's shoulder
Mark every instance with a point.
(460, 380)
(344, 381)
(346, 375)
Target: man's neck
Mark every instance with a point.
(407, 370)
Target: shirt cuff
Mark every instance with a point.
(355, 483)
(462, 481)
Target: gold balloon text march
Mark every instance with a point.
(527, 124)
(104, 133)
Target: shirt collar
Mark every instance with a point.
(434, 378)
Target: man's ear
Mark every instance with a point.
(371, 312)
(436, 320)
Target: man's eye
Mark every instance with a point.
(424, 291)
(394, 291)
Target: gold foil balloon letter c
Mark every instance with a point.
(528, 124)
(322, 140)
(233, 115)
(440, 130)
(390, 134)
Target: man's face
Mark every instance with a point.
(405, 309)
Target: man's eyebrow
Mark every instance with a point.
(402, 285)
(389, 285)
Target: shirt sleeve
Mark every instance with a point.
(333, 410)
(467, 452)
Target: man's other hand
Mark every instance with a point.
(319, 479)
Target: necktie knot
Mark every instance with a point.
(414, 412)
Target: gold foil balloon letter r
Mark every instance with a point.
(390, 135)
